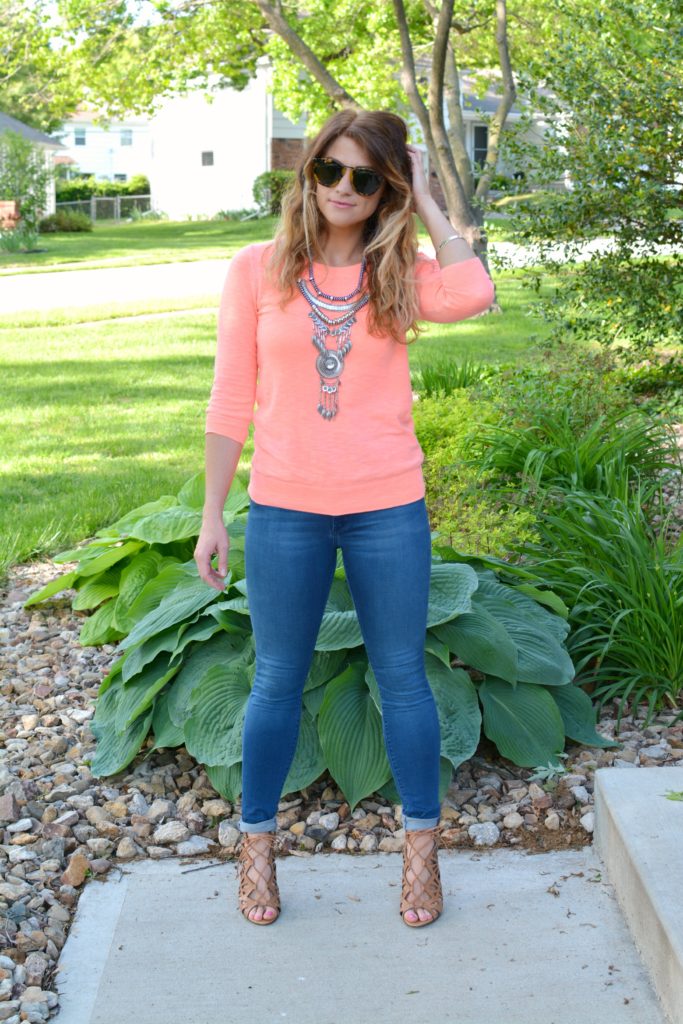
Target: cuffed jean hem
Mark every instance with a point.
(414, 823)
(269, 825)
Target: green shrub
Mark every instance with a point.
(460, 504)
(65, 220)
(244, 214)
(187, 659)
(565, 377)
(269, 189)
(83, 188)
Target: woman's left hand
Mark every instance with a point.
(420, 184)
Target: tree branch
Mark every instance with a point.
(272, 12)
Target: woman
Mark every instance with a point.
(335, 466)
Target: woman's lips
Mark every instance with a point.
(335, 202)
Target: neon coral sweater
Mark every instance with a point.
(367, 456)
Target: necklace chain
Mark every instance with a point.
(330, 362)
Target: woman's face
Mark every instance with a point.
(340, 205)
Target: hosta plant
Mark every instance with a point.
(495, 657)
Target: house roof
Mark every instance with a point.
(32, 134)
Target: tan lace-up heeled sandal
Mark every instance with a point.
(251, 894)
(421, 881)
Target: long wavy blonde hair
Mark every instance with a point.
(389, 234)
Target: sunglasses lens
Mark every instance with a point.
(366, 182)
(326, 172)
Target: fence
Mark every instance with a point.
(108, 207)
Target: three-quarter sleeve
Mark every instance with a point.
(453, 292)
(233, 393)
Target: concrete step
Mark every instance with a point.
(639, 838)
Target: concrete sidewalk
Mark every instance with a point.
(524, 939)
(68, 288)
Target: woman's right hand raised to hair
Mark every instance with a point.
(213, 538)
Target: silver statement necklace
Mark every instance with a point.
(330, 361)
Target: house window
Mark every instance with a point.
(481, 144)
(79, 136)
(126, 136)
(207, 158)
(120, 177)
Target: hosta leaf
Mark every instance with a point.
(524, 722)
(147, 650)
(192, 492)
(458, 708)
(541, 658)
(213, 729)
(171, 524)
(489, 584)
(153, 591)
(189, 594)
(204, 627)
(53, 587)
(579, 716)
(350, 731)
(123, 525)
(166, 734)
(138, 694)
(481, 641)
(134, 578)
(116, 750)
(339, 628)
(226, 780)
(109, 557)
(436, 647)
(324, 665)
(238, 498)
(308, 761)
(545, 597)
(97, 628)
(219, 650)
(96, 589)
(450, 587)
(313, 699)
(113, 675)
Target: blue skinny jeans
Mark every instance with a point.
(290, 559)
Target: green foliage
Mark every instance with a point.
(659, 386)
(243, 214)
(39, 87)
(617, 135)
(24, 177)
(461, 507)
(83, 188)
(445, 375)
(65, 220)
(188, 659)
(625, 591)
(268, 190)
(559, 376)
(601, 457)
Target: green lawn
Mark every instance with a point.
(123, 245)
(96, 419)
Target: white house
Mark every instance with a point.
(49, 145)
(112, 153)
